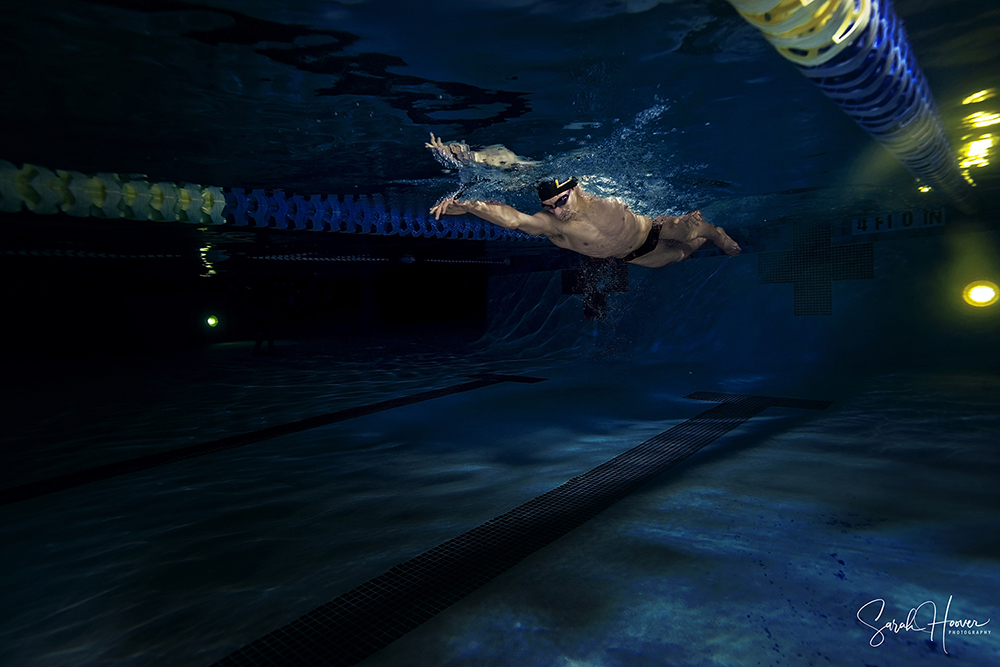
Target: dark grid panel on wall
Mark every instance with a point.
(812, 265)
(853, 262)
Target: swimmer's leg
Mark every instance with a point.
(693, 225)
(716, 235)
(668, 252)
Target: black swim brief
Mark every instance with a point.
(648, 246)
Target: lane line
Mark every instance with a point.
(112, 470)
(368, 618)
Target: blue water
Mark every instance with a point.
(762, 549)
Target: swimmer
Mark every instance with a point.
(595, 226)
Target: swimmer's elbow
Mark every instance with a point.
(525, 223)
(513, 219)
(536, 225)
(524, 226)
(506, 221)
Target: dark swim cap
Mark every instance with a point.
(549, 189)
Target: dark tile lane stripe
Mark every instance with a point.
(72, 480)
(376, 613)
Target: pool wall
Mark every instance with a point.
(715, 310)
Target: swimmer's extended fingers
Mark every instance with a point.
(450, 155)
(435, 142)
(441, 208)
(456, 147)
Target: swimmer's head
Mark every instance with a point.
(549, 189)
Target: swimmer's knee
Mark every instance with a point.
(673, 254)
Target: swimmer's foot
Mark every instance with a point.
(727, 244)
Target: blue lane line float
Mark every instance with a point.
(115, 196)
(857, 52)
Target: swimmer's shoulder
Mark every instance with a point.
(611, 206)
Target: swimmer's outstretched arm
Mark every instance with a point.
(458, 154)
(499, 214)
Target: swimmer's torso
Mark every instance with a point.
(602, 228)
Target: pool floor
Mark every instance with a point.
(765, 547)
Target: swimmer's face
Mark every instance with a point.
(560, 205)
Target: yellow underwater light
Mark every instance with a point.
(981, 293)
(212, 321)
(981, 96)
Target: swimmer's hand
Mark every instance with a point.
(453, 155)
(449, 206)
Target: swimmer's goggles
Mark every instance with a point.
(559, 202)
